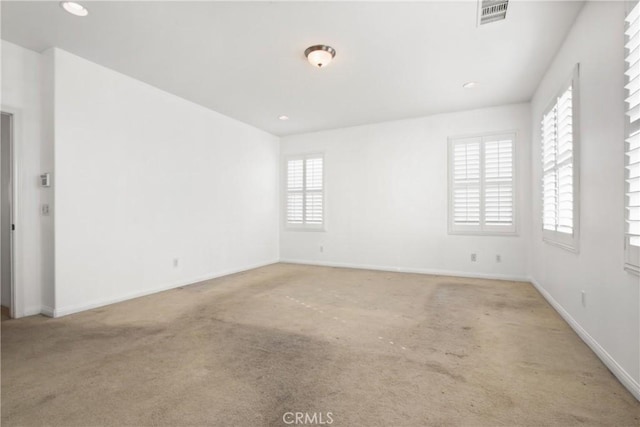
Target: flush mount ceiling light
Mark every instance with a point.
(74, 8)
(283, 117)
(320, 55)
(470, 85)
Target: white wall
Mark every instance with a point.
(386, 197)
(610, 321)
(143, 177)
(47, 195)
(22, 96)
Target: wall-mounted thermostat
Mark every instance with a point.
(45, 180)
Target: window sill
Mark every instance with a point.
(484, 233)
(312, 229)
(565, 246)
(633, 269)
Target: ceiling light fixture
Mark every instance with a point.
(470, 85)
(320, 55)
(283, 117)
(74, 8)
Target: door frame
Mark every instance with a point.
(16, 308)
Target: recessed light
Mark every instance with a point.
(283, 117)
(74, 8)
(470, 85)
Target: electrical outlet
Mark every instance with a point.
(474, 257)
(321, 248)
(498, 258)
(583, 295)
(44, 209)
(176, 262)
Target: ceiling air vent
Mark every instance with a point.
(491, 11)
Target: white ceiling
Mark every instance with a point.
(394, 59)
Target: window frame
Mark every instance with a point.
(566, 241)
(482, 229)
(304, 227)
(631, 253)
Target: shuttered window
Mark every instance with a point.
(305, 192)
(466, 183)
(559, 178)
(481, 183)
(632, 143)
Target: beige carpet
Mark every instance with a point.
(371, 348)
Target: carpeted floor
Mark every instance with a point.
(371, 348)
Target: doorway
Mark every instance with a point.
(6, 220)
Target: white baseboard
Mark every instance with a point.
(627, 380)
(46, 311)
(32, 311)
(411, 270)
(64, 311)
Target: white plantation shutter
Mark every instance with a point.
(305, 192)
(466, 183)
(632, 148)
(498, 188)
(549, 176)
(295, 196)
(565, 161)
(482, 185)
(314, 197)
(559, 189)
(633, 64)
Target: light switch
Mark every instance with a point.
(45, 180)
